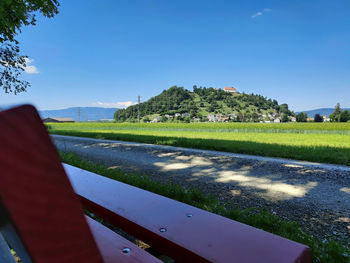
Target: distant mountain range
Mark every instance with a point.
(322, 111)
(86, 113)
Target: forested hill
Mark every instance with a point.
(202, 102)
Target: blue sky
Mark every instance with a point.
(106, 53)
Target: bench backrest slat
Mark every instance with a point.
(37, 195)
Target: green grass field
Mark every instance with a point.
(317, 142)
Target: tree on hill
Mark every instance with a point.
(318, 118)
(14, 15)
(255, 117)
(285, 117)
(239, 117)
(335, 116)
(301, 117)
(284, 109)
(146, 119)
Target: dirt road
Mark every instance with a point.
(315, 195)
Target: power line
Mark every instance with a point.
(138, 115)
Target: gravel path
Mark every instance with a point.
(315, 195)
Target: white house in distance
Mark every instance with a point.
(230, 89)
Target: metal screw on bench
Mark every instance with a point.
(162, 229)
(126, 250)
(189, 215)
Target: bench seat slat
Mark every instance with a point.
(111, 246)
(201, 237)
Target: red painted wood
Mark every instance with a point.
(47, 215)
(111, 246)
(203, 237)
(37, 194)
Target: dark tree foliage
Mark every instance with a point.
(318, 118)
(255, 117)
(13, 15)
(301, 117)
(285, 118)
(344, 116)
(335, 116)
(284, 109)
(11, 66)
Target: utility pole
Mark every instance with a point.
(78, 114)
(138, 115)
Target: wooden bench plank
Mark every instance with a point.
(181, 231)
(36, 195)
(39, 210)
(41, 206)
(112, 245)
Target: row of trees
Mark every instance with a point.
(302, 117)
(338, 115)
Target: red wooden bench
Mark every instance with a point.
(43, 221)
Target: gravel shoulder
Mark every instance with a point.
(315, 195)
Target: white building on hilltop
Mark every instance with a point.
(230, 89)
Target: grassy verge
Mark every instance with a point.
(293, 146)
(321, 251)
